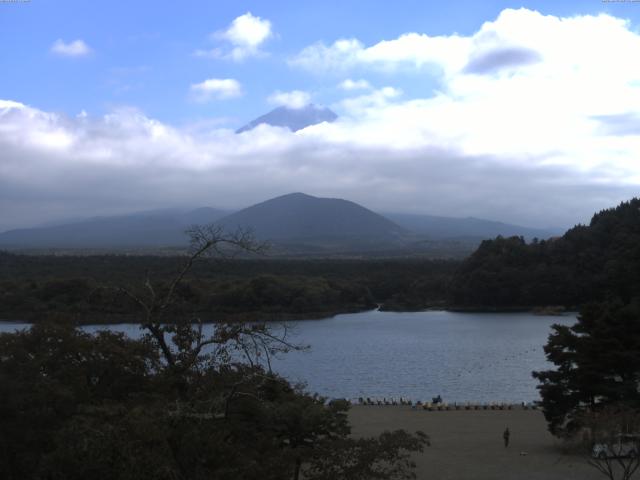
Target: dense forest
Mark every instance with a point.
(588, 263)
(86, 289)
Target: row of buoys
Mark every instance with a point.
(429, 406)
(384, 401)
(440, 405)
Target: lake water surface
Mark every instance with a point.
(481, 357)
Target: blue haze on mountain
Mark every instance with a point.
(438, 228)
(156, 228)
(297, 220)
(292, 118)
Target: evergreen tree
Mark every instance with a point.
(597, 364)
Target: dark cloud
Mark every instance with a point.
(128, 162)
(422, 180)
(499, 58)
(620, 124)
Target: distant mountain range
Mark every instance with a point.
(439, 228)
(292, 118)
(295, 224)
(157, 228)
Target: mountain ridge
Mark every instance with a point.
(154, 228)
(298, 216)
(588, 263)
(292, 118)
(440, 227)
(295, 223)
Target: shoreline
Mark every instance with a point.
(270, 317)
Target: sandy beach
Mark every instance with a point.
(469, 445)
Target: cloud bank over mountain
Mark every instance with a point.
(533, 122)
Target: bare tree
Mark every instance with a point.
(182, 341)
(613, 441)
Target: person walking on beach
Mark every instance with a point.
(506, 436)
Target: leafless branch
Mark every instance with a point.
(190, 344)
(614, 429)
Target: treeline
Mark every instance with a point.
(88, 289)
(588, 263)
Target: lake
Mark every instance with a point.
(481, 357)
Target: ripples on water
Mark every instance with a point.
(461, 356)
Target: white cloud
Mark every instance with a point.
(293, 99)
(77, 48)
(246, 34)
(526, 126)
(516, 87)
(410, 49)
(370, 104)
(349, 85)
(517, 38)
(248, 31)
(6, 105)
(341, 55)
(216, 88)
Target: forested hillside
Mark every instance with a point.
(588, 263)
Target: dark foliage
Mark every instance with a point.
(176, 404)
(35, 288)
(587, 263)
(597, 364)
(76, 406)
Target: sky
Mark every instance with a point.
(524, 112)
